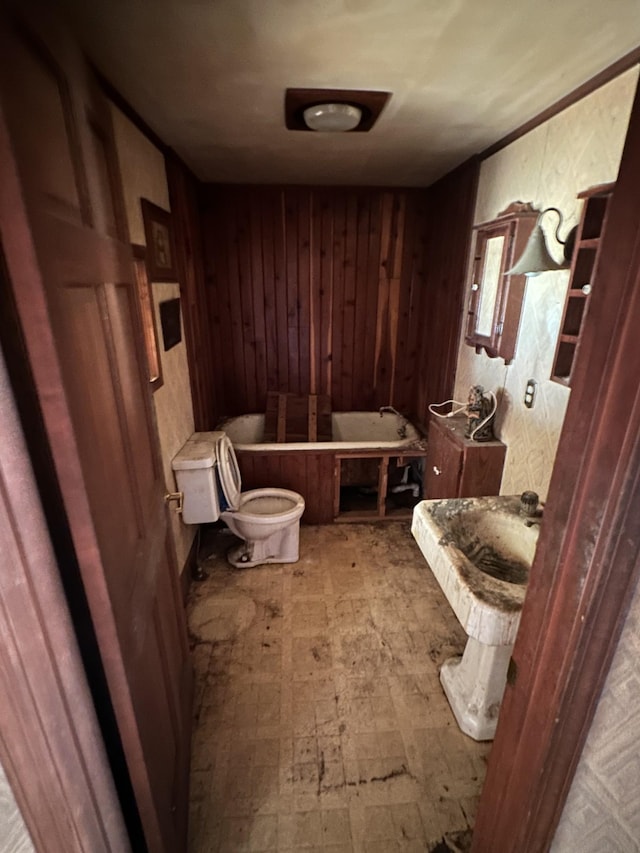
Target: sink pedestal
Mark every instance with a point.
(474, 684)
(479, 551)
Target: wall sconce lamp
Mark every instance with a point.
(536, 257)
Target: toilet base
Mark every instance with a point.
(474, 685)
(240, 558)
(280, 547)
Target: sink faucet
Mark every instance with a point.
(530, 506)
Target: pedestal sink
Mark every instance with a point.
(480, 552)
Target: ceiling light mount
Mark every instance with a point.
(333, 110)
(332, 118)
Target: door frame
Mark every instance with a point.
(587, 563)
(563, 652)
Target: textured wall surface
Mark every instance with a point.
(14, 836)
(578, 148)
(602, 811)
(143, 176)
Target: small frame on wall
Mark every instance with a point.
(147, 317)
(170, 322)
(161, 265)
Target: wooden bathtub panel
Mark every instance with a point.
(309, 474)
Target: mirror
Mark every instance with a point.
(495, 299)
(488, 285)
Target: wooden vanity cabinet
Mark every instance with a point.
(457, 467)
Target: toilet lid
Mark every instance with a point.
(228, 472)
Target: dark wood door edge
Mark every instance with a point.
(50, 744)
(588, 558)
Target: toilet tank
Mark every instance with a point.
(195, 469)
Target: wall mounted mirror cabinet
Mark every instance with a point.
(495, 299)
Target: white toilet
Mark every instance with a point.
(268, 520)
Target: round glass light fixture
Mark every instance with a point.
(332, 118)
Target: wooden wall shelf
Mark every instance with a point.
(583, 274)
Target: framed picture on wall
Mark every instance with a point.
(170, 322)
(161, 265)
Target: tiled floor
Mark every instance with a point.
(320, 721)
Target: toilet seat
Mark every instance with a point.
(228, 472)
(265, 506)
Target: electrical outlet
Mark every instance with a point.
(530, 393)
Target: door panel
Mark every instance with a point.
(100, 422)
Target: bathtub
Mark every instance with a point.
(351, 431)
(317, 470)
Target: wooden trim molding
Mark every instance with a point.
(623, 64)
(588, 560)
(147, 317)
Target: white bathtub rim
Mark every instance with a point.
(413, 441)
(312, 446)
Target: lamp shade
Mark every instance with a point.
(535, 258)
(332, 118)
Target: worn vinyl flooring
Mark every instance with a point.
(320, 723)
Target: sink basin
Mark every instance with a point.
(480, 551)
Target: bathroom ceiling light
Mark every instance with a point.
(333, 110)
(536, 257)
(332, 118)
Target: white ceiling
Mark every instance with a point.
(209, 76)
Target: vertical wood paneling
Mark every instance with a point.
(280, 288)
(201, 344)
(337, 312)
(450, 216)
(264, 202)
(348, 304)
(360, 296)
(368, 342)
(326, 296)
(305, 340)
(257, 284)
(354, 293)
(293, 304)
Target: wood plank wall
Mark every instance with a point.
(313, 290)
(355, 293)
(448, 244)
(187, 234)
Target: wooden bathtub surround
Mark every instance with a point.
(297, 417)
(351, 293)
(317, 476)
(373, 469)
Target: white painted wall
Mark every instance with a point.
(144, 176)
(576, 149)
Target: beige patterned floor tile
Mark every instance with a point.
(320, 723)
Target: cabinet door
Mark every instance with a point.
(444, 462)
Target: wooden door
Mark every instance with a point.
(74, 288)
